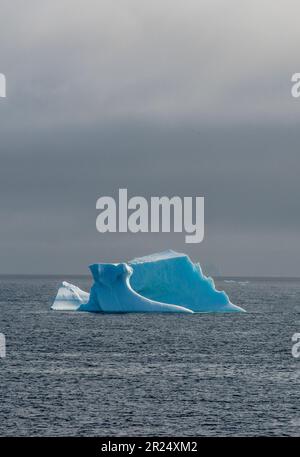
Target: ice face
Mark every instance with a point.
(172, 277)
(164, 282)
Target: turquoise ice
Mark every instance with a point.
(112, 293)
(166, 282)
(172, 277)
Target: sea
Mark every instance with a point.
(82, 374)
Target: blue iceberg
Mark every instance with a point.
(112, 293)
(166, 282)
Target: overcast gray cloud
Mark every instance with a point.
(176, 98)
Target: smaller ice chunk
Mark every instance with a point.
(69, 297)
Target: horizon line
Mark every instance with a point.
(84, 275)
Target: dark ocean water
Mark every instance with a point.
(205, 374)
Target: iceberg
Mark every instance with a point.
(166, 282)
(69, 297)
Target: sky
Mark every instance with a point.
(162, 98)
